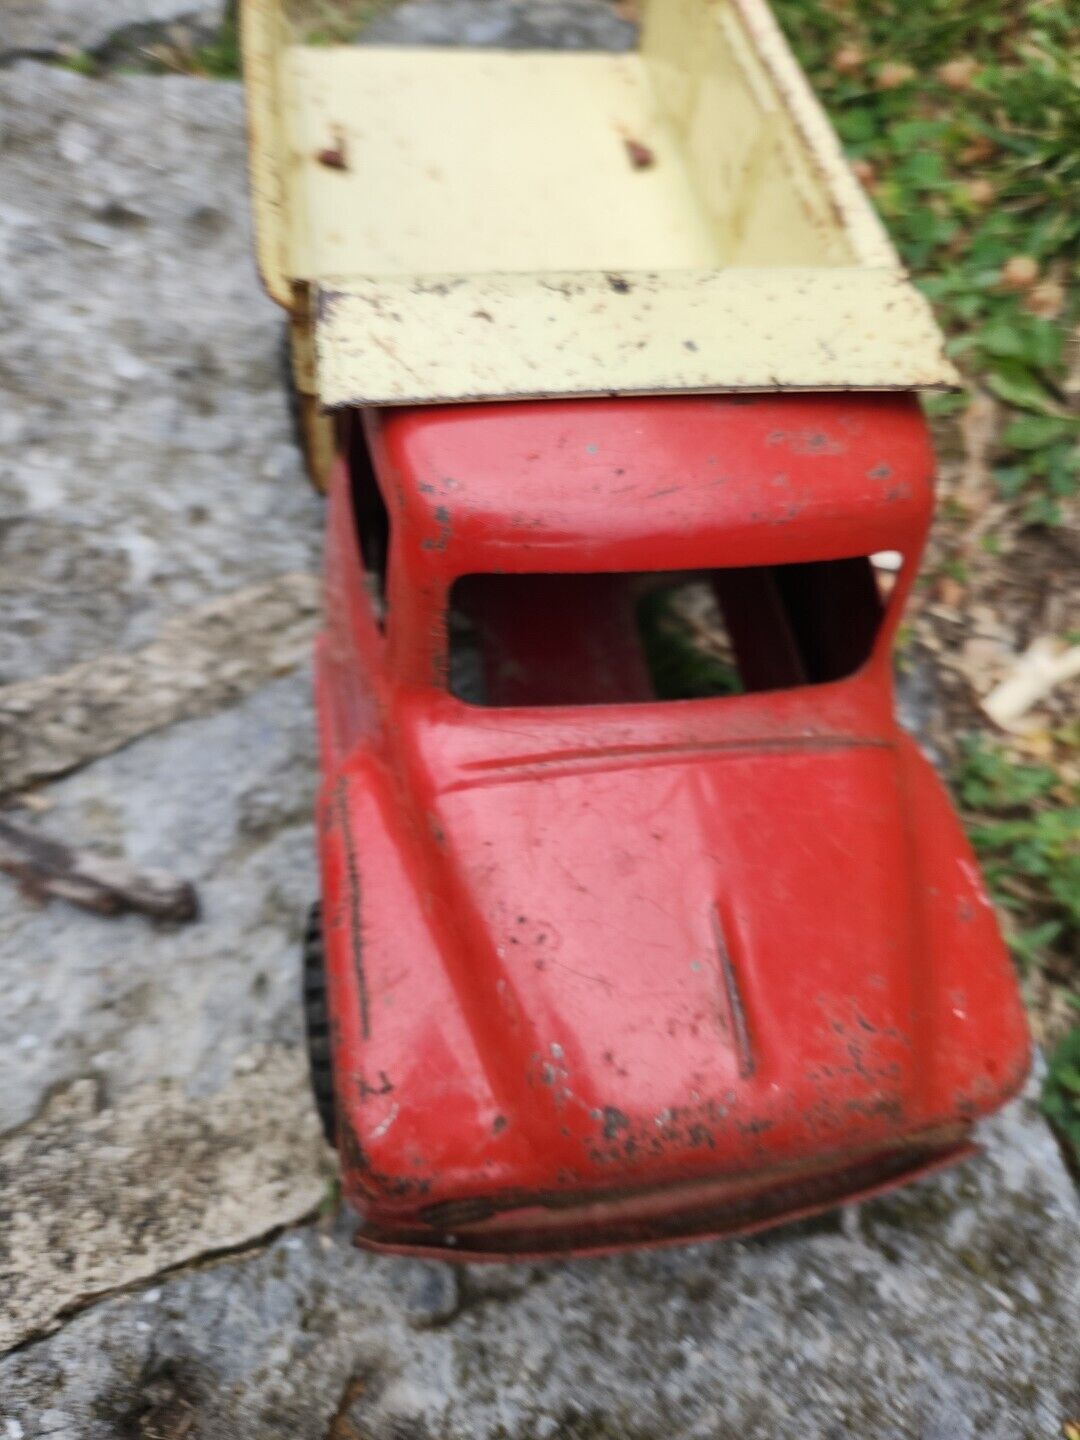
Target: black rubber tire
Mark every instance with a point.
(317, 1024)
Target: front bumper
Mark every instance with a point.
(521, 1227)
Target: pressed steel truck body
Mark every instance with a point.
(597, 968)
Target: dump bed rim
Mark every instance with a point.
(453, 338)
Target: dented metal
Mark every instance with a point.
(629, 972)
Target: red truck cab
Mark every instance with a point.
(598, 968)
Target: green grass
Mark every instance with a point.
(80, 62)
(1061, 1092)
(332, 22)
(679, 666)
(972, 167)
(220, 59)
(1024, 822)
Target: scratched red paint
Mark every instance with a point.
(638, 972)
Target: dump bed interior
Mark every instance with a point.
(466, 224)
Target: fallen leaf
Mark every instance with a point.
(978, 151)
(865, 173)
(1043, 666)
(980, 192)
(893, 74)
(959, 73)
(848, 59)
(1046, 299)
(949, 591)
(978, 427)
(1019, 273)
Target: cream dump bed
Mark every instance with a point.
(490, 230)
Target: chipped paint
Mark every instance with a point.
(352, 921)
(751, 330)
(743, 257)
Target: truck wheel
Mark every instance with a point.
(317, 1023)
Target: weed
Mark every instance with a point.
(220, 58)
(1024, 822)
(80, 62)
(963, 118)
(1061, 1091)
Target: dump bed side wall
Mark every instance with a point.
(764, 155)
(264, 39)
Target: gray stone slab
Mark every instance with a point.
(944, 1312)
(146, 453)
(101, 1191)
(203, 660)
(224, 802)
(504, 24)
(153, 1086)
(43, 26)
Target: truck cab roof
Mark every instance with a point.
(654, 484)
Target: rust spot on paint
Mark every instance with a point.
(334, 156)
(641, 157)
(352, 880)
(614, 1122)
(806, 442)
(357, 1163)
(440, 541)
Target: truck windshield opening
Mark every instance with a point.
(603, 639)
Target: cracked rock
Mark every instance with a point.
(944, 1310)
(147, 460)
(202, 660)
(152, 1080)
(429, 1290)
(134, 1004)
(56, 26)
(98, 1195)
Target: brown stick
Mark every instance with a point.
(47, 868)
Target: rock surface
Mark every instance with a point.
(224, 802)
(152, 1107)
(48, 26)
(942, 1312)
(509, 25)
(104, 1191)
(147, 454)
(205, 659)
(152, 1084)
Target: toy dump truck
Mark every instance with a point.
(581, 339)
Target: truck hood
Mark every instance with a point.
(691, 951)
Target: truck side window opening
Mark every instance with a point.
(372, 519)
(605, 639)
